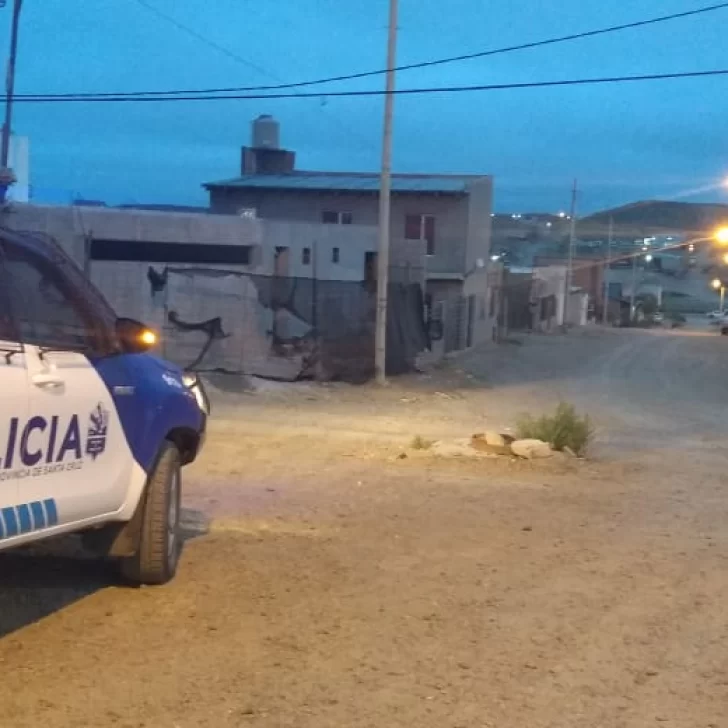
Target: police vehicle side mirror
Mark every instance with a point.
(134, 337)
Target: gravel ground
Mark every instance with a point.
(327, 583)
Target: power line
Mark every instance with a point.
(368, 74)
(204, 39)
(380, 92)
(225, 51)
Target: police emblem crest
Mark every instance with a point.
(97, 432)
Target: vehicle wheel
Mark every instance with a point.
(155, 561)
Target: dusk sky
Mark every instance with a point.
(665, 139)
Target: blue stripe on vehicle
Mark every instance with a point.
(24, 518)
(51, 511)
(28, 517)
(39, 519)
(11, 522)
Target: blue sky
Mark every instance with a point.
(662, 139)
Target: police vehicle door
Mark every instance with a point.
(77, 452)
(13, 409)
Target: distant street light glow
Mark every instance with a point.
(721, 235)
(716, 283)
(648, 258)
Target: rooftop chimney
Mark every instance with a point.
(266, 133)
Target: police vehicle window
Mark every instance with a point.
(44, 305)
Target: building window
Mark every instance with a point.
(421, 227)
(306, 256)
(332, 217)
(334, 255)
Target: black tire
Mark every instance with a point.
(160, 545)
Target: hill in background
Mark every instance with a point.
(651, 217)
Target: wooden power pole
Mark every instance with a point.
(385, 188)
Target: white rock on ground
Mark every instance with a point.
(494, 439)
(454, 449)
(531, 449)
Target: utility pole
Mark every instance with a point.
(634, 286)
(380, 338)
(570, 264)
(9, 97)
(605, 302)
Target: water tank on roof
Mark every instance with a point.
(266, 132)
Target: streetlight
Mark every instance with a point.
(721, 235)
(717, 284)
(725, 258)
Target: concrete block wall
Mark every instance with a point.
(73, 226)
(352, 241)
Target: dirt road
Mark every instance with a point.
(326, 583)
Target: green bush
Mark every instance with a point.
(561, 430)
(419, 443)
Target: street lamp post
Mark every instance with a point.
(717, 284)
(633, 291)
(6, 176)
(605, 298)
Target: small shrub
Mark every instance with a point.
(419, 443)
(561, 430)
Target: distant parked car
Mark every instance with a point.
(715, 314)
(658, 317)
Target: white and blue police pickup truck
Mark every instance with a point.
(94, 429)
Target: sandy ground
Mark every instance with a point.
(328, 583)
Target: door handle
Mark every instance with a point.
(47, 381)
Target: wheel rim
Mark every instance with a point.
(173, 519)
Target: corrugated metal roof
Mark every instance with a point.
(442, 184)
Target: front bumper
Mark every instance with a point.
(194, 384)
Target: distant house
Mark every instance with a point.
(587, 274)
